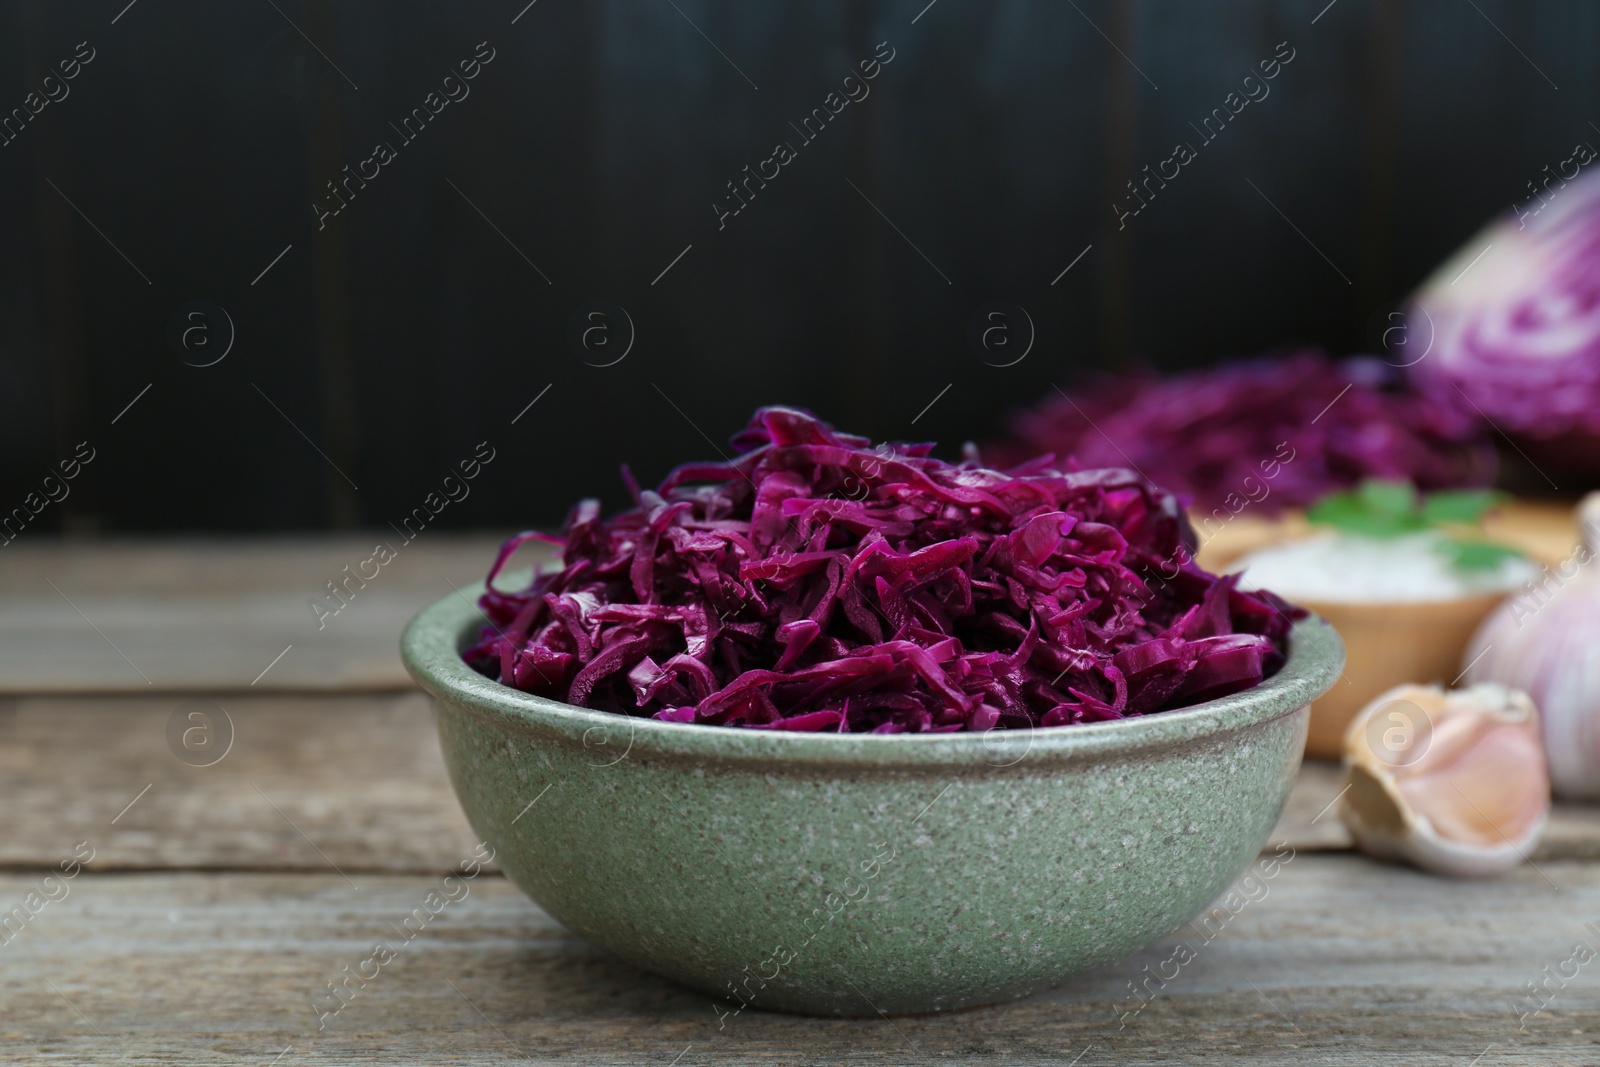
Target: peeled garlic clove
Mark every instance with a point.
(1453, 782)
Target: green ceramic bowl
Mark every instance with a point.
(856, 874)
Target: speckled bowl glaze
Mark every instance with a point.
(856, 874)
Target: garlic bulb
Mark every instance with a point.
(1545, 640)
(1454, 782)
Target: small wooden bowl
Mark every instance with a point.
(1390, 645)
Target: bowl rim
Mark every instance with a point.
(431, 650)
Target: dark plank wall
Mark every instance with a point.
(411, 327)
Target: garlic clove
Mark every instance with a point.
(1545, 639)
(1453, 782)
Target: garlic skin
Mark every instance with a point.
(1545, 640)
(1454, 782)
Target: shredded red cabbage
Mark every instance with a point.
(1317, 425)
(816, 583)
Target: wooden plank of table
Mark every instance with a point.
(316, 781)
(216, 614)
(172, 615)
(310, 783)
(1340, 962)
(1311, 819)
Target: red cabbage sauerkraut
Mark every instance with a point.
(817, 583)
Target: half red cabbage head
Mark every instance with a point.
(1268, 433)
(815, 582)
(1510, 326)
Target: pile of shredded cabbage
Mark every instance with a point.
(1274, 432)
(817, 583)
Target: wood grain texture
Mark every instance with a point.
(1310, 819)
(222, 898)
(1338, 962)
(319, 783)
(311, 783)
(176, 615)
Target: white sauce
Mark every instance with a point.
(1346, 568)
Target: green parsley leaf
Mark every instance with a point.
(1391, 499)
(1374, 509)
(1476, 555)
(1459, 505)
(1383, 508)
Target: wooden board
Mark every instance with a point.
(311, 783)
(1311, 819)
(1340, 962)
(1546, 530)
(216, 615)
(222, 898)
(317, 783)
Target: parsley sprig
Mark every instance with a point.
(1385, 509)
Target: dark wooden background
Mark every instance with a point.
(595, 143)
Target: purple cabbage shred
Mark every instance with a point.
(817, 583)
(1310, 424)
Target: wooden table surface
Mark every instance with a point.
(220, 900)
